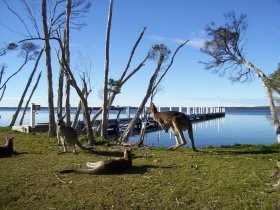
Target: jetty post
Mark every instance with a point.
(33, 109)
(32, 116)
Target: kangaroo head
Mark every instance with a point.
(9, 141)
(153, 108)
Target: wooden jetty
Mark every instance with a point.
(196, 114)
(119, 124)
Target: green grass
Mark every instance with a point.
(215, 178)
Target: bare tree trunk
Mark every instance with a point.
(60, 93)
(76, 117)
(67, 104)
(141, 138)
(47, 47)
(78, 111)
(26, 89)
(268, 90)
(67, 54)
(32, 92)
(105, 110)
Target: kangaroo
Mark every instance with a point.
(178, 122)
(68, 136)
(110, 166)
(8, 149)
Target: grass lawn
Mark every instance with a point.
(214, 178)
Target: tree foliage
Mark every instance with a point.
(274, 79)
(226, 48)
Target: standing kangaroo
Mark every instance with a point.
(68, 136)
(178, 122)
(8, 149)
(110, 166)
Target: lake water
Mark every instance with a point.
(239, 126)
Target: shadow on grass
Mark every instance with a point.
(133, 170)
(140, 169)
(242, 149)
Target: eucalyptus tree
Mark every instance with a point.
(226, 48)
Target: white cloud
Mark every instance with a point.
(194, 42)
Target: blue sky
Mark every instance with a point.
(168, 22)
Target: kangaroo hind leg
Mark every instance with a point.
(179, 136)
(190, 132)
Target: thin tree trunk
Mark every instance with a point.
(105, 110)
(47, 47)
(60, 93)
(32, 92)
(76, 117)
(67, 104)
(26, 89)
(67, 54)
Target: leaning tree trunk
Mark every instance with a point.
(60, 93)
(268, 90)
(47, 47)
(26, 89)
(130, 127)
(27, 102)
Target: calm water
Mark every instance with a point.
(239, 126)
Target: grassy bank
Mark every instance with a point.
(214, 178)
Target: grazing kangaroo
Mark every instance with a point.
(8, 149)
(178, 122)
(110, 166)
(68, 136)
